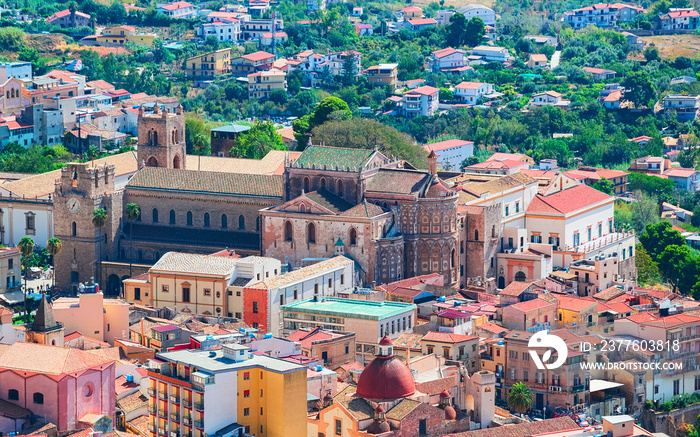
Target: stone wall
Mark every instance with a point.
(670, 422)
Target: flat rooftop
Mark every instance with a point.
(350, 308)
(213, 361)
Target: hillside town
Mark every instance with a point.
(395, 219)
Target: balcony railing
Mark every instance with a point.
(152, 409)
(187, 403)
(187, 421)
(199, 406)
(175, 400)
(175, 416)
(555, 388)
(199, 424)
(162, 431)
(163, 396)
(578, 387)
(152, 391)
(163, 413)
(151, 427)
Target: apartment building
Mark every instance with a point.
(686, 107)
(601, 15)
(383, 75)
(591, 175)
(253, 62)
(453, 346)
(419, 102)
(229, 30)
(370, 321)
(490, 53)
(178, 10)
(683, 19)
(262, 300)
(226, 392)
(68, 19)
(682, 332)
(209, 65)
(565, 386)
(447, 59)
(470, 92)
(263, 83)
(10, 269)
(19, 70)
(123, 34)
(332, 348)
(451, 153)
(530, 315)
(94, 316)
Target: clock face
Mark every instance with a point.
(73, 206)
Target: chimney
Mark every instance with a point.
(432, 163)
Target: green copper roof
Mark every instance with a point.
(334, 157)
(355, 309)
(339, 242)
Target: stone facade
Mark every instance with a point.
(481, 235)
(81, 190)
(161, 138)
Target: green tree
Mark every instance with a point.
(695, 219)
(349, 69)
(256, 142)
(651, 185)
(54, 246)
(12, 39)
(639, 87)
(456, 30)
(604, 185)
(651, 53)
(647, 269)
(99, 220)
(92, 152)
(658, 236)
(645, 211)
(520, 397)
(117, 13)
(445, 95)
(675, 261)
(475, 32)
(26, 248)
(133, 212)
(325, 108)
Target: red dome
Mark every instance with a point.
(385, 341)
(378, 427)
(450, 413)
(386, 378)
(445, 394)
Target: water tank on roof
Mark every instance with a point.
(500, 343)
(457, 303)
(319, 368)
(441, 299)
(241, 330)
(268, 335)
(129, 378)
(212, 354)
(210, 337)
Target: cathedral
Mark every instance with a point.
(394, 221)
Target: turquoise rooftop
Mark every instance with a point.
(357, 309)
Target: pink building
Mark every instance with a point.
(532, 313)
(71, 388)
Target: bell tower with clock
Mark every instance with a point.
(82, 189)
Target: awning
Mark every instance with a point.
(600, 385)
(13, 297)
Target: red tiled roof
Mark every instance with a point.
(307, 338)
(122, 386)
(567, 201)
(100, 84)
(680, 172)
(538, 58)
(177, 5)
(492, 327)
(412, 9)
(442, 145)
(683, 14)
(594, 70)
(574, 303)
(613, 96)
(258, 56)
(470, 85)
(515, 288)
(497, 164)
(447, 337)
(530, 305)
(49, 360)
(419, 21)
(72, 336)
(445, 52)
(526, 429)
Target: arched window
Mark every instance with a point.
(74, 229)
(453, 259)
(476, 234)
(154, 214)
(288, 232)
(241, 222)
(307, 184)
(152, 162)
(176, 162)
(189, 218)
(353, 237)
(520, 277)
(302, 208)
(38, 398)
(172, 216)
(122, 253)
(139, 255)
(339, 187)
(97, 182)
(13, 395)
(224, 221)
(311, 233)
(206, 219)
(323, 183)
(493, 231)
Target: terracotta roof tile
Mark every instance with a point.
(447, 337)
(50, 360)
(527, 429)
(567, 201)
(530, 305)
(334, 157)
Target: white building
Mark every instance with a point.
(490, 53)
(552, 98)
(20, 70)
(421, 101)
(686, 107)
(685, 178)
(325, 278)
(447, 59)
(469, 92)
(470, 11)
(221, 30)
(451, 153)
(601, 15)
(178, 10)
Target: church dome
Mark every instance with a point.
(386, 377)
(378, 427)
(450, 413)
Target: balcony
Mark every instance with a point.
(578, 388)
(175, 400)
(152, 409)
(555, 388)
(151, 427)
(152, 391)
(163, 396)
(199, 406)
(175, 417)
(187, 421)
(162, 413)
(162, 431)
(187, 403)
(199, 424)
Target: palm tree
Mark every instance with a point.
(520, 397)
(99, 219)
(133, 212)
(26, 247)
(54, 246)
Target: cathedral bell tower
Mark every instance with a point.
(161, 137)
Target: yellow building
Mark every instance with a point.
(123, 34)
(383, 75)
(262, 83)
(453, 347)
(574, 311)
(209, 65)
(218, 391)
